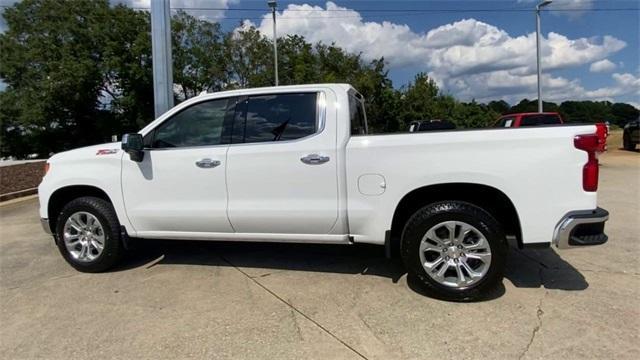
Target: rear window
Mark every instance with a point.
(543, 119)
(357, 115)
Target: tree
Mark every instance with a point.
(70, 82)
(52, 65)
(501, 107)
(249, 59)
(526, 105)
(199, 62)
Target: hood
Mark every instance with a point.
(107, 150)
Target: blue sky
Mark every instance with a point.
(480, 50)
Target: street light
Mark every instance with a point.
(538, 7)
(272, 4)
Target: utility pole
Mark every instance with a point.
(161, 55)
(273, 5)
(538, 7)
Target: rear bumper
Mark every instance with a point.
(45, 226)
(581, 228)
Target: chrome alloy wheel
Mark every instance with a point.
(455, 254)
(83, 236)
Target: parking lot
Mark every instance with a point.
(285, 301)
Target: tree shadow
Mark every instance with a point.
(524, 268)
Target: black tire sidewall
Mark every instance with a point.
(105, 214)
(436, 213)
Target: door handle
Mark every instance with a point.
(207, 163)
(314, 159)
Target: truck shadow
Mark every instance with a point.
(524, 268)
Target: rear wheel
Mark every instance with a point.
(88, 234)
(455, 249)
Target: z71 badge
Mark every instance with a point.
(106, 151)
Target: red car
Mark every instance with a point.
(548, 118)
(529, 119)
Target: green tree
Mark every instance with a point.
(249, 59)
(499, 106)
(70, 82)
(199, 62)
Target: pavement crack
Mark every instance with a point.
(536, 329)
(294, 308)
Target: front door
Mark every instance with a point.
(180, 186)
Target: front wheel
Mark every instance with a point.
(455, 249)
(88, 234)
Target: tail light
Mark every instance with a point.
(589, 143)
(602, 132)
(46, 168)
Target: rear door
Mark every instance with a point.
(281, 167)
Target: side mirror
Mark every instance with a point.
(132, 144)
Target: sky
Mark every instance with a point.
(482, 50)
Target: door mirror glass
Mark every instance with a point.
(132, 144)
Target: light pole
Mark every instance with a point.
(273, 5)
(538, 7)
(161, 59)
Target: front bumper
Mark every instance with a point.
(45, 226)
(581, 228)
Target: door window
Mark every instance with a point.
(198, 125)
(278, 117)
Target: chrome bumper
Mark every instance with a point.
(581, 228)
(45, 226)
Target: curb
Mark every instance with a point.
(18, 200)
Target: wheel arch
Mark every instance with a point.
(489, 198)
(64, 195)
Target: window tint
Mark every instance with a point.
(357, 116)
(198, 125)
(534, 120)
(279, 117)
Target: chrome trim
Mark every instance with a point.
(571, 220)
(314, 159)
(45, 226)
(207, 163)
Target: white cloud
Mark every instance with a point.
(210, 15)
(624, 84)
(469, 58)
(602, 66)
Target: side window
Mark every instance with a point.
(279, 117)
(357, 116)
(505, 122)
(198, 125)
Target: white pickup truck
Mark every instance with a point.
(296, 164)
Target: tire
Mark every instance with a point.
(627, 144)
(106, 233)
(484, 239)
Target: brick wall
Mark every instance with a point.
(14, 179)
